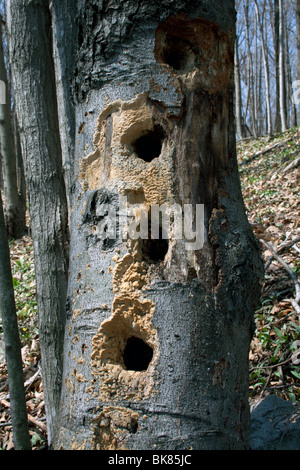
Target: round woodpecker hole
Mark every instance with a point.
(148, 146)
(137, 354)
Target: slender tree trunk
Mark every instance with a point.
(35, 95)
(238, 97)
(290, 106)
(283, 112)
(21, 185)
(298, 55)
(14, 204)
(251, 84)
(256, 81)
(276, 52)
(21, 437)
(266, 69)
(64, 48)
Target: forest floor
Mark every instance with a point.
(271, 195)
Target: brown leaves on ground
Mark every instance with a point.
(270, 187)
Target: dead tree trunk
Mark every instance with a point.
(159, 311)
(157, 334)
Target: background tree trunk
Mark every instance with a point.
(64, 48)
(238, 97)
(266, 69)
(283, 110)
(250, 79)
(15, 204)
(35, 95)
(298, 52)
(276, 47)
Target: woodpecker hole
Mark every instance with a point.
(137, 354)
(148, 146)
(177, 54)
(155, 247)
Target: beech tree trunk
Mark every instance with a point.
(283, 109)
(157, 329)
(238, 96)
(266, 69)
(298, 55)
(277, 74)
(251, 93)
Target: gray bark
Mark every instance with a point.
(276, 44)
(283, 110)
(14, 202)
(298, 52)
(149, 74)
(12, 342)
(64, 47)
(35, 95)
(266, 69)
(252, 95)
(238, 97)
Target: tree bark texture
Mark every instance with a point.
(282, 83)
(238, 96)
(157, 336)
(266, 69)
(30, 41)
(276, 52)
(15, 204)
(298, 52)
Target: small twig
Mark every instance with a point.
(267, 383)
(32, 379)
(287, 244)
(290, 272)
(294, 164)
(30, 418)
(272, 366)
(3, 425)
(295, 305)
(28, 382)
(283, 246)
(37, 423)
(3, 387)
